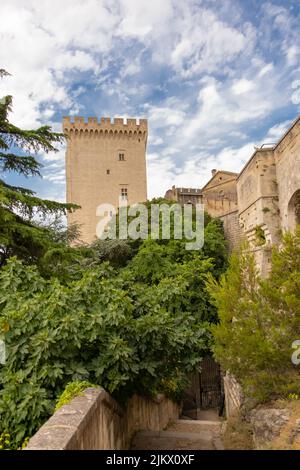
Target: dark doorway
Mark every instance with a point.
(294, 211)
(204, 391)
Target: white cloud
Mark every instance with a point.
(222, 109)
(162, 116)
(292, 54)
(196, 170)
(160, 175)
(208, 77)
(75, 60)
(242, 86)
(295, 84)
(142, 18)
(233, 159)
(40, 47)
(155, 140)
(54, 173)
(277, 131)
(56, 178)
(132, 69)
(58, 156)
(266, 70)
(206, 43)
(295, 98)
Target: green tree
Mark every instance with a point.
(92, 329)
(117, 252)
(20, 234)
(138, 323)
(259, 321)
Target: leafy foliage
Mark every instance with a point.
(5, 443)
(92, 329)
(72, 390)
(140, 328)
(117, 252)
(260, 235)
(259, 321)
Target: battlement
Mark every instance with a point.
(106, 126)
(189, 190)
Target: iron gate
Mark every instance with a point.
(205, 390)
(209, 384)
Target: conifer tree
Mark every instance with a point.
(259, 321)
(20, 234)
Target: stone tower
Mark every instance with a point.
(105, 161)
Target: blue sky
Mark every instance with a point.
(213, 77)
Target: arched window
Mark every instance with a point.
(294, 211)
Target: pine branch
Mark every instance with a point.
(21, 237)
(28, 204)
(3, 73)
(5, 108)
(20, 208)
(27, 165)
(17, 188)
(31, 140)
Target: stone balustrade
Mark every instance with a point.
(96, 421)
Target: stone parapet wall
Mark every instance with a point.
(105, 123)
(96, 421)
(287, 158)
(233, 396)
(232, 230)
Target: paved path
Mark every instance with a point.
(182, 434)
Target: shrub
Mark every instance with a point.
(5, 441)
(137, 323)
(259, 321)
(126, 337)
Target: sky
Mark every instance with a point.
(214, 78)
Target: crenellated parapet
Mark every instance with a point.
(105, 127)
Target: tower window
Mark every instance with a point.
(121, 157)
(124, 194)
(108, 172)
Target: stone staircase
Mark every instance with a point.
(182, 434)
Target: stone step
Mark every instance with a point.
(170, 443)
(199, 414)
(195, 426)
(206, 439)
(205, 435)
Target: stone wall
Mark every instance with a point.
(287, 159)
(276, 427)
(267, 424)
(258, 205)
(233, 396)
(258, 196)
(219, 194)
(96, 421)
(184, 195)
(232, 229)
